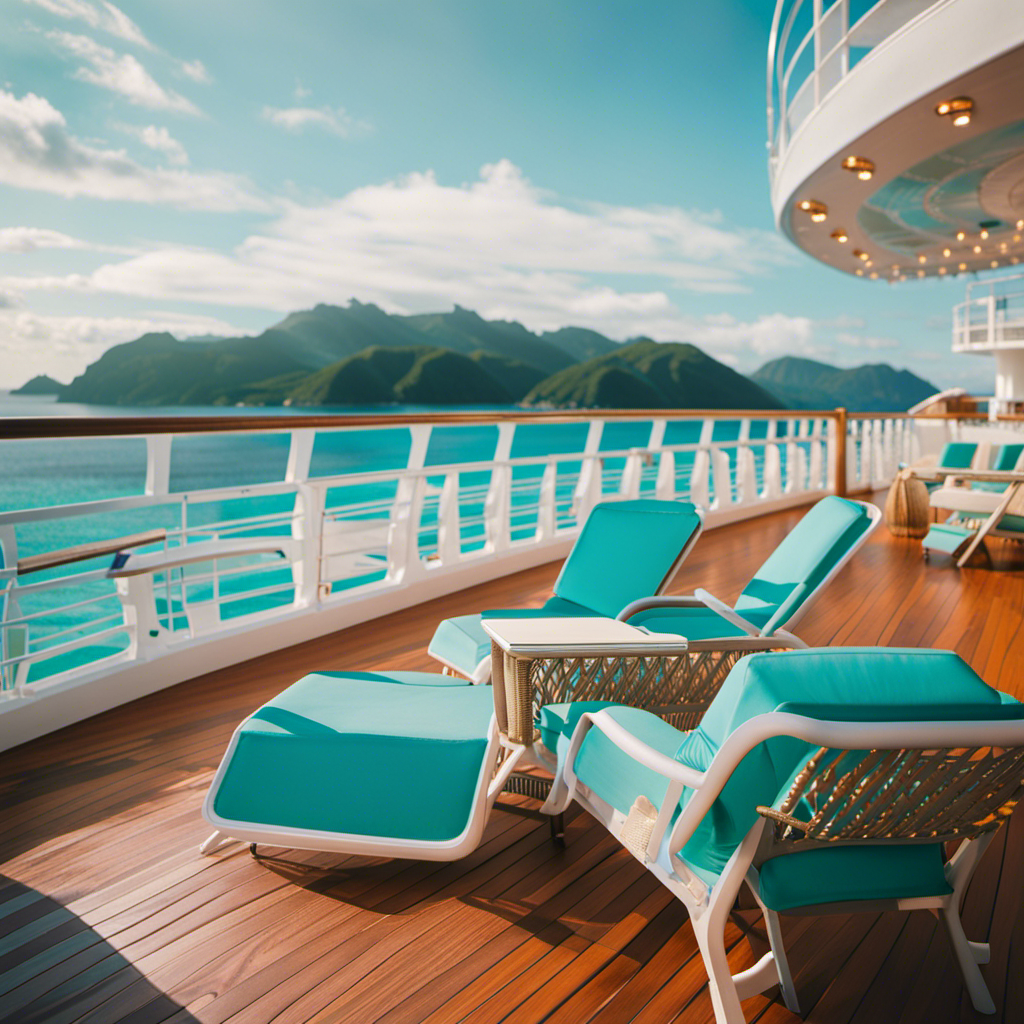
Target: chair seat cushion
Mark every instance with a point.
(395, 754)
(462, 643)
(850, 873)
(693, 623)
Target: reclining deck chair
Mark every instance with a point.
(626, 550)
(826, 780)
(993, 505)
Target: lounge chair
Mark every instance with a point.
(826, 780)
(626, 550)
(955, 455)
(993, 506)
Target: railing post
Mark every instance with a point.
(838, 446)
(497, 504)
(403, 528)
(449, 532)
(589, 485)
(158, 463)
(547, 523)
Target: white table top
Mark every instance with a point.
(587, 637)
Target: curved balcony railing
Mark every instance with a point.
(813, 46)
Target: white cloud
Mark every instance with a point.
(38, 152)
(65, 345)
(104, 16)
(297, 119)
(24, 239)
(160, 140)
(196, 71)
(122, 74)
(497, 245)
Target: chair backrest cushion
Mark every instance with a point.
(626, 550)
(1009, 457)
(811, 550)
(958, 455)
(835, 683)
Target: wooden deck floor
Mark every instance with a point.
(107, 913)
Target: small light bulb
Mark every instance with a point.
(920, 273)
(874, 276)
(984, 234)
(947, 253)
(859, 272)
(942, 270)
(1020, 225)
(963, 266)
(977, 248)
(961, 235)
(922, 259)
(994, 264)
(962, 119)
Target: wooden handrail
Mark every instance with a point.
(30, 427)
(82, 552)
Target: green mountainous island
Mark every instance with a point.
(360, 355)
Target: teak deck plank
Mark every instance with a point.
(109, 916)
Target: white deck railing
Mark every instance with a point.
(273, 556)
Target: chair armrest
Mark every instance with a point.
(635, 748)
(729, 614)
(643, 603)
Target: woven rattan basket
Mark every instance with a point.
(906, 506)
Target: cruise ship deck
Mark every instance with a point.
(110, 915)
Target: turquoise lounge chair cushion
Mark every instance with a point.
(807, 555)
(852, 873)
(1006, 459)
(957, 455)
(395, 754)
(625, 552)
(832, 683)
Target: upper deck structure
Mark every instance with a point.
(896, 134)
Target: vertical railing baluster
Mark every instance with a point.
(449, 531)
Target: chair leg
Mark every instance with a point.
(774, 929)
(213, 842)
(967, 955)
(724, 998)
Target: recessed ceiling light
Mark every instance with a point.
(861, 255)
(994, 264)
(818, 211)
(859, 165)
(961, 235)
(942, 270)
(977, 248)
(920, 273)
(859, 272)
(947, 253)
(874, 276)
(959, 109)
(922, 259)
(840, 236)
(963, 266)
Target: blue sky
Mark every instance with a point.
(206, 167)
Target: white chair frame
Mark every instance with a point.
(709, 908)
